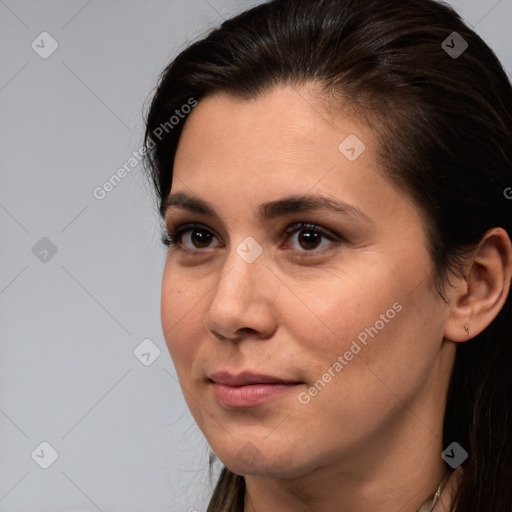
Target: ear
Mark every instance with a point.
(478, 298)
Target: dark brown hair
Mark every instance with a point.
(444, 124)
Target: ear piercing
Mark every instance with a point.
(467, 329)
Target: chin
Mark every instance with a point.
(261, 461)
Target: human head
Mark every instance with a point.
(444, 131)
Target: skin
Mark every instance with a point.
(371, 439)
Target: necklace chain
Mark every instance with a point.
(428, 506)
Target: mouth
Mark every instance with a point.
(248, 389)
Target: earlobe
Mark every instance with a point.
(479, 297)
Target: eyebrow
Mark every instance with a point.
(271, 209)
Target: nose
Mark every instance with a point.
(242, 303)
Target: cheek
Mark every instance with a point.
(332, 311)
(373, 318)
(179, 305)
(378, 358)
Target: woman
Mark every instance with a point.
(333, 175)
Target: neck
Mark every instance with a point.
(322, 493)
(399, 471)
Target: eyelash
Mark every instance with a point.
(172, 239)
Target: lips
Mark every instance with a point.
(248, 389)
(246, 378)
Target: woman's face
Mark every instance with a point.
(340, 316)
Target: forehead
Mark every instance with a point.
(284, 131)
(236, 153)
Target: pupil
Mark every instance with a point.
(202, 237)
(309, 237)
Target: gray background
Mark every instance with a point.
(70, 321)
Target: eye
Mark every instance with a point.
(310, 237)
(196, 238)
(199, 237)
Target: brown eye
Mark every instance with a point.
(200, 237)
(190, 237)
(309, 239)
